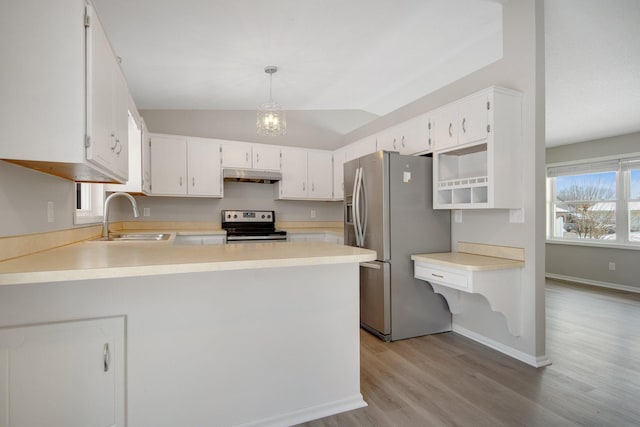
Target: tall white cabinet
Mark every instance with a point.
(477, 158)
(63, 108)
(68, 374)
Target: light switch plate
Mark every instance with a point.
(516, 215)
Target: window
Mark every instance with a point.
(596, 202)
(89, 201)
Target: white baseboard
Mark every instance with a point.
(593, 282)
(536, 362)
(311, 413)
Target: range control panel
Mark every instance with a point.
(248, 216)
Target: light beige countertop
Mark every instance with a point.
(465, 261)
(338, 231)
(476, 257)
(96, 260)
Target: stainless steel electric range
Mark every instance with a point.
(251, 227)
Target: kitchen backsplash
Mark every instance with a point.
(237, 195)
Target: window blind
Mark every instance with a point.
(584, 168)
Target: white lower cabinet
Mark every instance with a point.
(306, 174)
(68, 374)
(185, 167)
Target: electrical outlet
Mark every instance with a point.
(612, 266)
(146, 211)
(457, 216)
(516, 215)
(50, 212)
(313, 213)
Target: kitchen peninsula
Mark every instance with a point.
(256, 334)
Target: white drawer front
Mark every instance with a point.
(442, 277)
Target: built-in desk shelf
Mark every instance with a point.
(491, 271)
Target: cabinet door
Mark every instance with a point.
(338, 174)
(319, 176)
(416, 137)
(236, 155)
(294, 174)
(473, 117)
(444, 132)
(67, 374)
(101, 63)
(388, 140)
(168, 166)
(203, 168)
(120, 122)
(266, 157)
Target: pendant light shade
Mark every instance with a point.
(271, 119)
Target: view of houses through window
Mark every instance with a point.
(597, 202)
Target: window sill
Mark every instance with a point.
(629, 246)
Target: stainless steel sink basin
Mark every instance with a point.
(134, 237)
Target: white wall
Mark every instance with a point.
(24, 194)
(587, 263)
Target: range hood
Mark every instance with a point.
(251, 175)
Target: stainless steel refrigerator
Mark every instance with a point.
(388, 207)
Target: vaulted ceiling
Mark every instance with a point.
(370, 57)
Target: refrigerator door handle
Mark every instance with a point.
(356, 207)
(365, 209)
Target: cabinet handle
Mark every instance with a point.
(257, 157)
(193, 181)
(106, 358)
(313, 186)
(464, 121)
(451, 129)
(437, 275)
(114, 141)
(429, 142)
(119, 147)
(394, 143)
(304, 187)
(246, 156)
(180, 181)
(402, 142)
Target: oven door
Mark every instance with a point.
(235, 239)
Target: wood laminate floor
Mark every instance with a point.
(593, 341)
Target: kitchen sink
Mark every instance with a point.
(134, 237)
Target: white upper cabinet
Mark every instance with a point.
(338, 173)
(483, 168)
(293, 184)
(306, 174)
(66, 77)
(185, 167)
(444, 128)
(319, 174)
(250, 156)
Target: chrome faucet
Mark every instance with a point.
(107, 201)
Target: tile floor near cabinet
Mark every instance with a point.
(593, 341)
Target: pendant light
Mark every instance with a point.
(271, 120)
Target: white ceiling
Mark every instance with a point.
(592, 69)
(371, 56)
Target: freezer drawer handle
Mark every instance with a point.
(370, 265)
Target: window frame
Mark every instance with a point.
(92, 196)
(622, 202)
